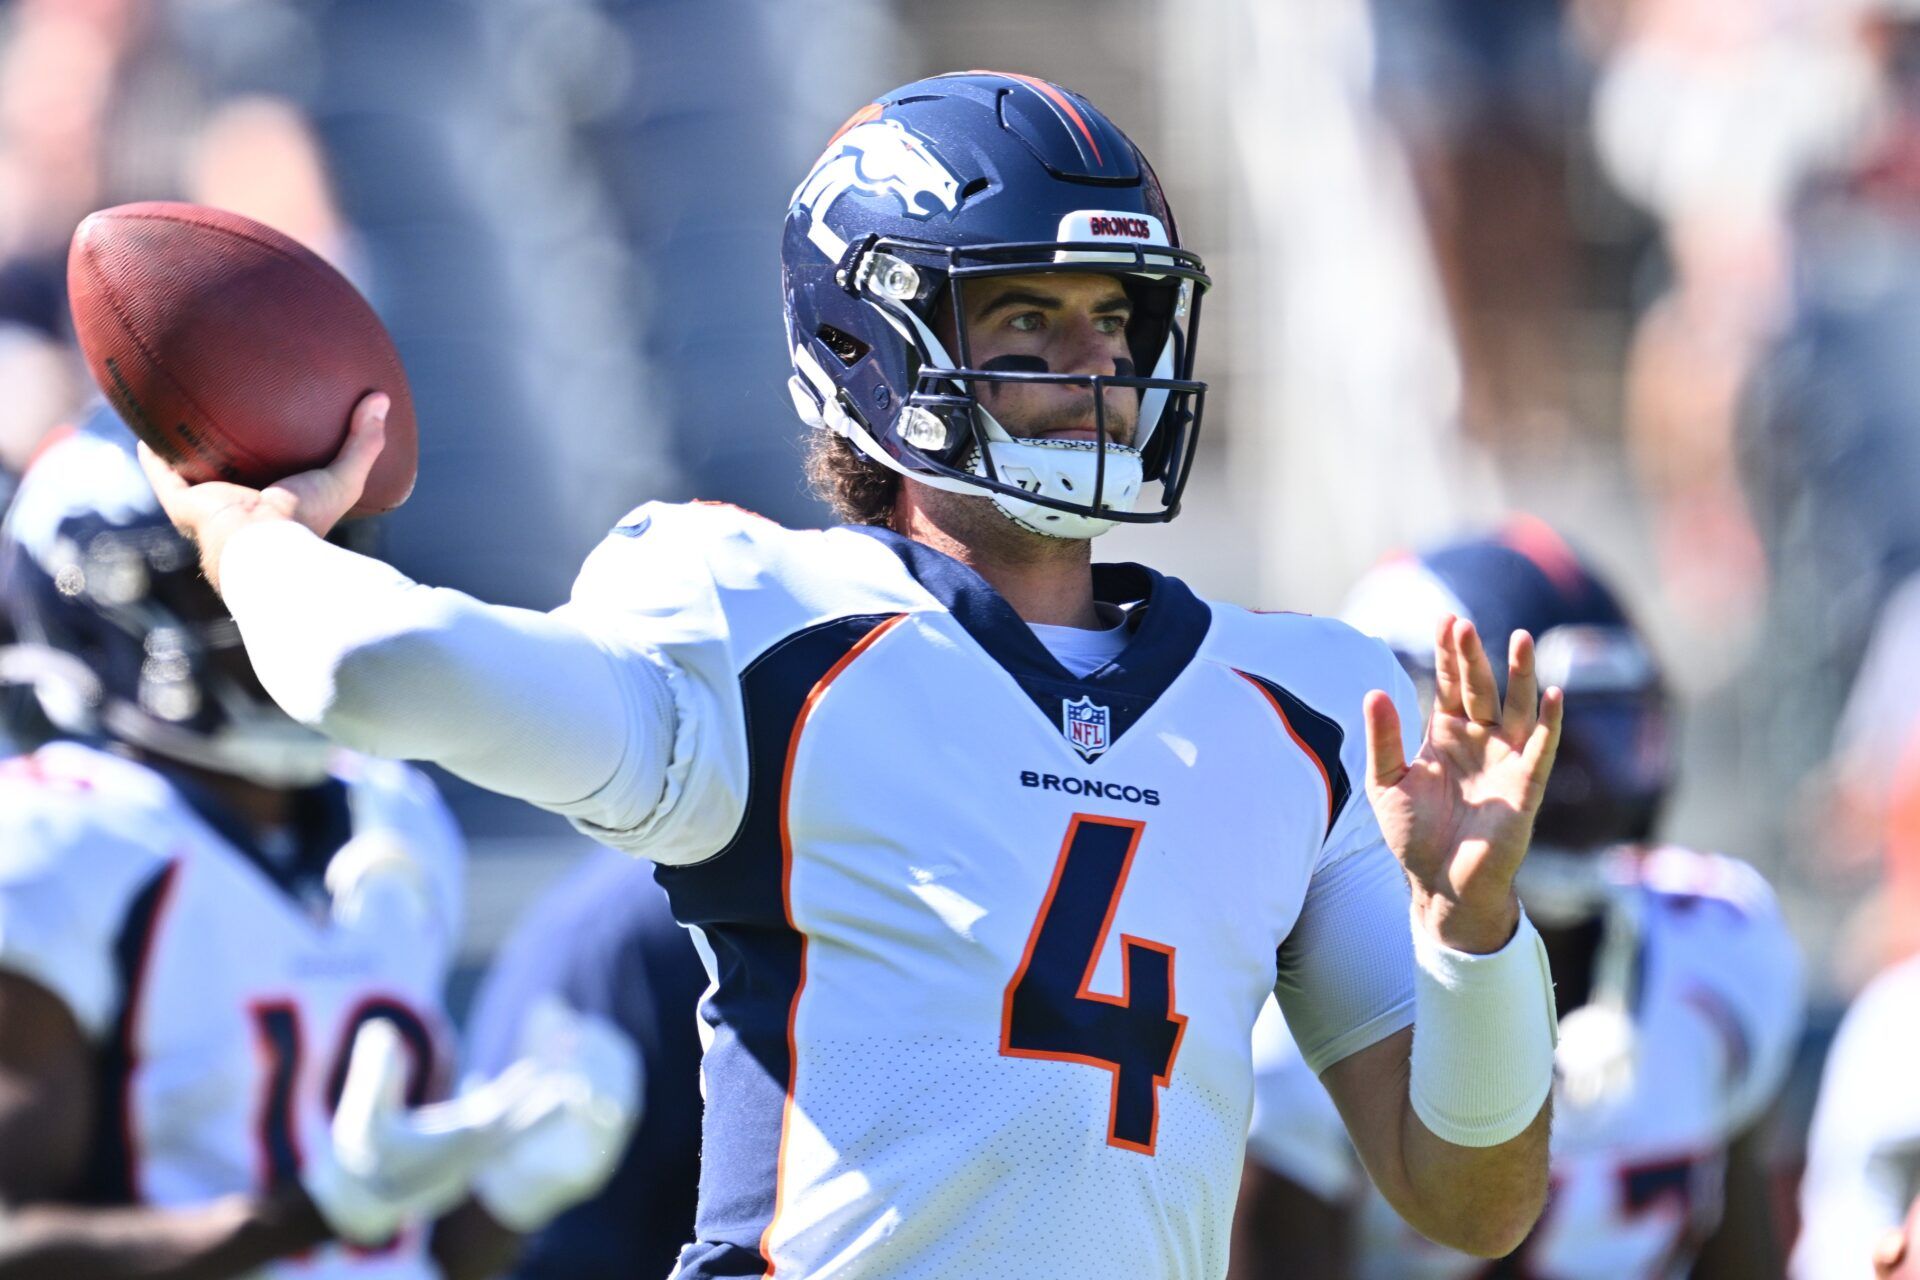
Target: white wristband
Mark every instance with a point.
(1483, 1037)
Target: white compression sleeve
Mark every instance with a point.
(1345, 972)
(1483, 1037)
(519, 702)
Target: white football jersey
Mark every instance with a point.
(987, 940)
(218, 993)
(1639, 1137)
(1863, 1152)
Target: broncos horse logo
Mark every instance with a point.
(875, 157)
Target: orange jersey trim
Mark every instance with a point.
(786, 901)
(1298, 741)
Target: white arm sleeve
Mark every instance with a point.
(1346, 970)
(527, 704)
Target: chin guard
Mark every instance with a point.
(1063, 469)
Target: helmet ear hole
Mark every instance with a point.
(848, 349)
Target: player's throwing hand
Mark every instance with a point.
(1459, 814)
(210, 513)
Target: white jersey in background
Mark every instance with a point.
(1640, 1138)
(1863, 1153)
(987, 938)
(217, 991)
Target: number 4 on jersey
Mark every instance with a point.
(1051, 1013)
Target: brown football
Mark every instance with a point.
(235, 352)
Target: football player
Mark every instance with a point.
(993, 854)
(1863, 1151)
(1677, 982)
(222, 946)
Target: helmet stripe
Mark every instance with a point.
(1061, 101)
(1542, 544)
(859, 117)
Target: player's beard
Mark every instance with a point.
(974, 521)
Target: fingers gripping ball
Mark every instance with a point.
(235, 352)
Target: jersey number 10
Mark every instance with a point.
(1049, 1011)
(277, 1033)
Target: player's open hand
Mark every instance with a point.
(210, 513)
(1460, 813)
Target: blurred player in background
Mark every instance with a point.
(222, 947)
(1678, 985)
(1863, 1154)
(42, 386)
(604, 941)
(908, 778)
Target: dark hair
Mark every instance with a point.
(860, 490)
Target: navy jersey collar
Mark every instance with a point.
(320, 818)
(1166, 620)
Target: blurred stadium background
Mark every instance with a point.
(1647, 268)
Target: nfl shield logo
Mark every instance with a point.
(1085, 724)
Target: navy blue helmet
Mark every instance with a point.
(963, 177)
(1615, 765)
(117, 632)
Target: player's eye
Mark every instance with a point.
(1110, 324)
(1026, 322)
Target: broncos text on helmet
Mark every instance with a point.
(118, 634)
(1614, 766)
(963, 177)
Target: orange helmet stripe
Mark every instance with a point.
(859, 117)
(1058, 99)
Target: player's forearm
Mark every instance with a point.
(1473, 1126)
(1463, 1156)
(1480, 1200)
(514, 700)
(228, 1237)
